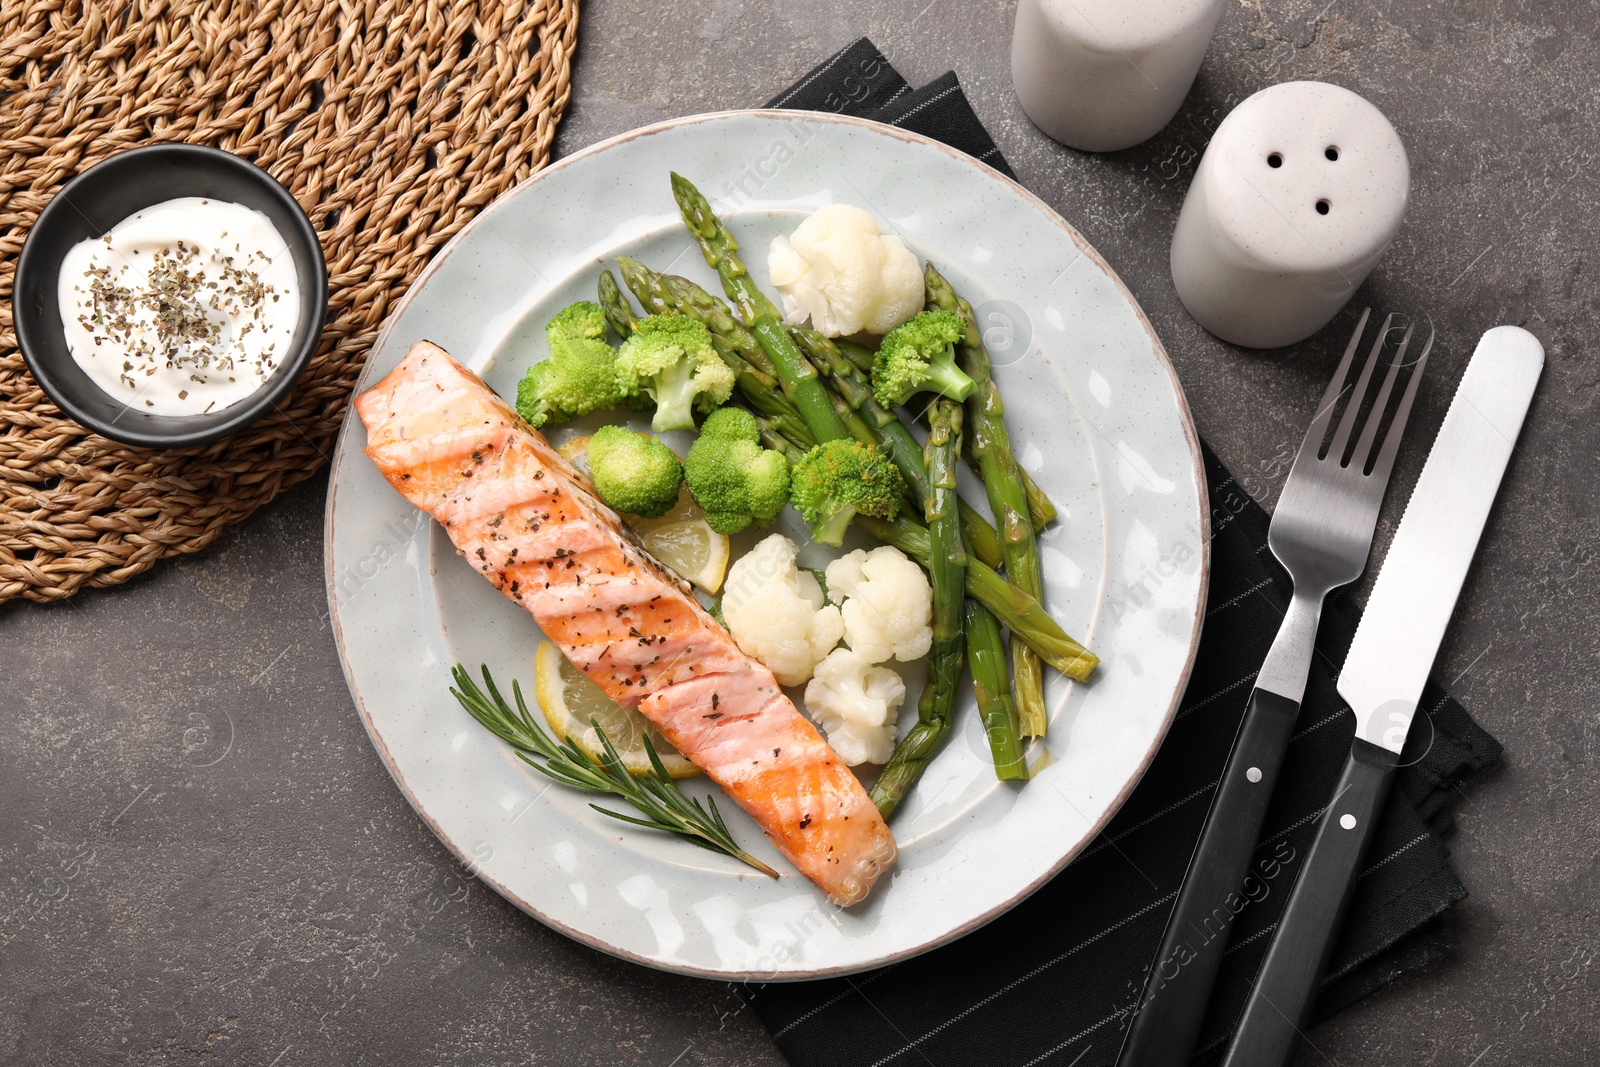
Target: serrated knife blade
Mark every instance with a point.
(1416, 591)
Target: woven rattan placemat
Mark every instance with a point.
(392, 122)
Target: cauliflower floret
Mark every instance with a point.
(777, 613)
(887, 604)
(856, 704)
(837, 270)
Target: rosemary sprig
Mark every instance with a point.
(656, 795)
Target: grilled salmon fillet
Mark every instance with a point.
(530, 524)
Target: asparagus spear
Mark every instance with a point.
(1040, 509)
(855, 389)
(771, 438)
(986, 657)
(761, 315)
(860, 355)
(947, 566)
(619, 313)
(991, 447)
(825, 355)
(1018, 612)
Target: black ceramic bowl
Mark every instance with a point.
(97, 200)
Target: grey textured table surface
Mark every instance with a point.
(201, 857)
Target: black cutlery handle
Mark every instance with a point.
(1286, 987)
(1178, 987)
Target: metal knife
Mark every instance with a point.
(1388, 664)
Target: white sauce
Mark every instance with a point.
(185, 307)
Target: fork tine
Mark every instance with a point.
(1347, 421)
(1311, 446)
(1358, 458)
(1397, 429)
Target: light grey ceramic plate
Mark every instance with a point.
(1095, 413)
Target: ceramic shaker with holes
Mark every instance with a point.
(1298, 194)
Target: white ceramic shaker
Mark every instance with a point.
(1299, 192)
(1100, 75)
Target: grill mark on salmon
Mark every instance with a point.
(529, 523)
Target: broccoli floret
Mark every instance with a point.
(838, 479)
(581, 374)
(532, 402)
(579, 377)
(583, 320)
(732, 477)
(918, 356)
(670, 357)
(634, 473)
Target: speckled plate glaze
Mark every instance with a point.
(1096, 415)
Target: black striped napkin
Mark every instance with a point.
(1053, 980)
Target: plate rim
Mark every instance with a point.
(1191, 437)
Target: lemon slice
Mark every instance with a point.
(680, 539)
(683, 540)
(570, 701)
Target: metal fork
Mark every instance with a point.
(1321, 532)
